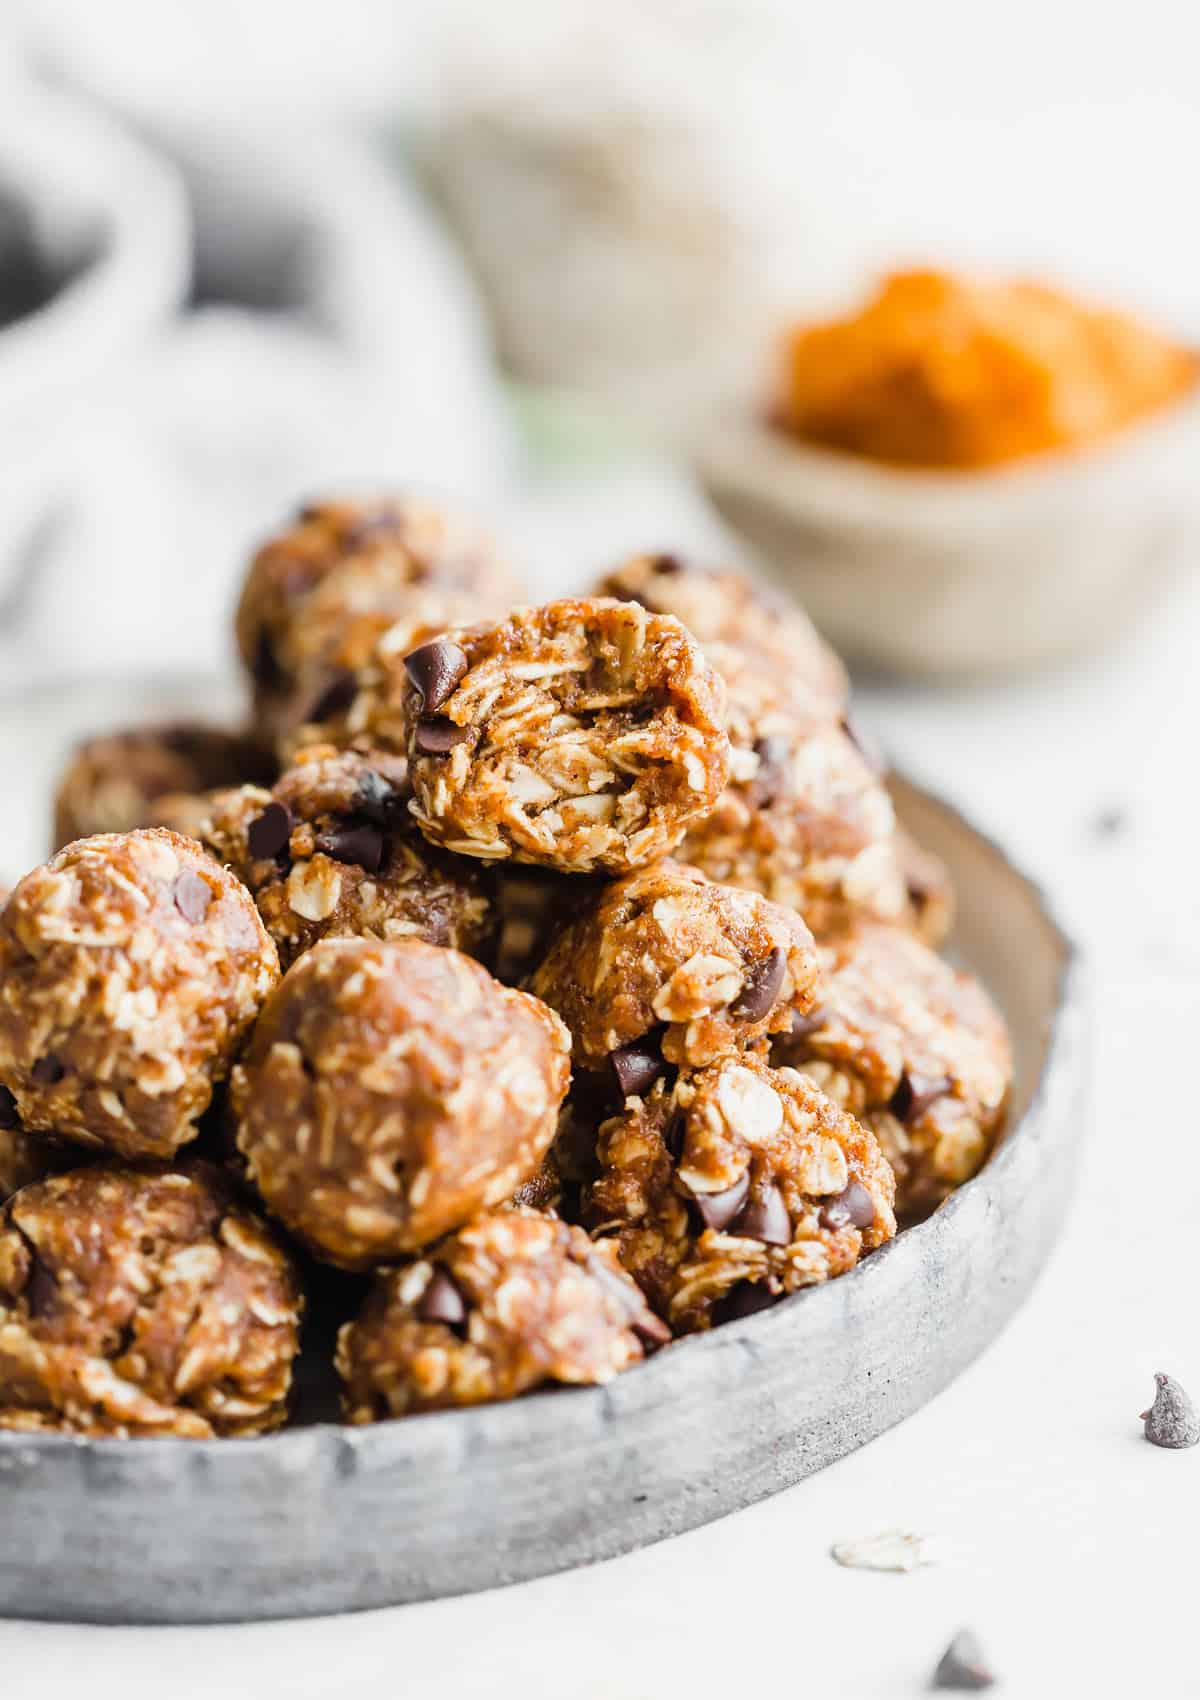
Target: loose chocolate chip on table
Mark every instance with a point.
(718, 1209)
(47, 1071)
(442, 1302)
(9, 1116)
(746, 1299)
(766, 1218)
(962, 1667)
(269, 832)
(1172, 1420)
(437, 736)
(916, 1092)
(761, 987)
(336, 696)
(193, 897)
(852, 1208)
(638, 1065)
(361, 846)
(435, 670)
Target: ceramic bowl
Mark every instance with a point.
(965, 573)
(329, 1519)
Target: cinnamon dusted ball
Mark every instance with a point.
(512, 1301)
(390, 1091)
(735, 1185)
(322, 591)
(143, 1302)
(131, 967)
(332, 852)
(913, 1048)
(665, 967)
(142, 778)
(584, 736)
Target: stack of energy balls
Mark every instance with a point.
(558, 971)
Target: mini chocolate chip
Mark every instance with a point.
(746, 1299)
(673, 1135)
(646, 1326)
(265, 668)
(770, 781)
(435, 670)
(668, 565)
(766, 1218)
(1172, 1420)
(962, 1667)
(761, 987)
(652, 1331)
(437, 736)
(269, 832)
(638, 1065)
(41, 1289)
(851, 1208)
(442, 1301)
(866, 746)
(377, 799)
(808, 1022)
(9, 1115)
(360, 846)
(193, 897)
(47, 1071)
(336, 696)
(916, 1092)
(718, 1209)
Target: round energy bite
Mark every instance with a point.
(332, 852)
(734, 1186)
(512, 1301)
(390, 1091)
(913, 1048)
(141, 1302)
(665, 967)
(131, 967)
(584, 735)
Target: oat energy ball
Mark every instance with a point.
(585, 736)
(664, 967)
(130, 779)
(142, 1302)
(332, 852)
(512, 1301)
(915, 1050)
(734, 1186)
(131, 967)
(321, 592)
(390, 1091)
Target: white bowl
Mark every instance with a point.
(110, 222)
(938, 573)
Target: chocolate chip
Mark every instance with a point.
(652, 1331)
(852, 1208)
(673, 1135)
(1172, 1420)
(41, 1288)
(718, 1209)
(668, 565)
(360, 846)
(9, 1115)
(761, 987)
(770, 782)
(265, 667)
(47, 1071)
(442, 1301)
(436, 736)
(638, 1065)
(916, 1092)
(269, 832)
(746, 1299)
(377, 799)
(336, 696)
(193, 897)
(766, 1218)
(962, 1667)
(435, 670)
(811, 1021)
(649, 1329)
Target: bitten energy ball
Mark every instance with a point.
(916, 1051)
(142, 1303)
(319, 594)
(512, 1301)
(585, 736)
(131, 967)
(332, 852)
(664, 967)
(131, 779)
(390, 1091)
(735, 1186)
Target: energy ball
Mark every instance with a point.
(320, 593)
(512, 1301)
(131, 967)
(390, 1092)
(585, 736)
(138, 1302)
(734, 1186)
(332, 852)
(663, 967)
(914, 1049)
(130, 779)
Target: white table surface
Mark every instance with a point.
(1071, 1542)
